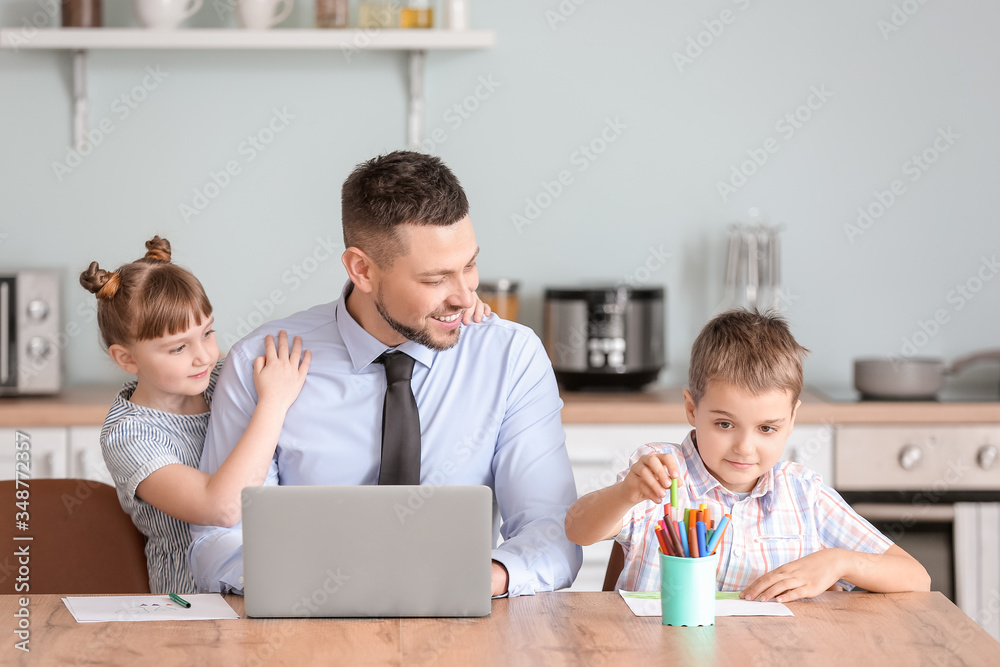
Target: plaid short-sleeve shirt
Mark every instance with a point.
(789, 514)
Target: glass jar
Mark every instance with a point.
(81, 13)
(377, 15)
(331, 13)
(416, 15)
(501, 295)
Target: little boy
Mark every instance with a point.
(789, 536)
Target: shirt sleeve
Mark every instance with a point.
(134, 449)
(843, 528)
(216, 553)
(533, 480)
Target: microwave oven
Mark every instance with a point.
(30, 357)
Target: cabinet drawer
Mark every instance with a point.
(47, 451)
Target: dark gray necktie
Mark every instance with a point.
(400, 423)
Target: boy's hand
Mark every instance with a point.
(279, 375)
(477, 313)
(649, 478)
(806, 577)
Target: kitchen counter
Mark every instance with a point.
(665, 405)
(82, 405)
(87, 405)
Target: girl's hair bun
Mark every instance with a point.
(100, 282)
(158, 249)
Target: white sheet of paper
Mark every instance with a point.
(108, 608)
(647, 603)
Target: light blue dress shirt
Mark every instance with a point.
(489, 414)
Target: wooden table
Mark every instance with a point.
(851, 629)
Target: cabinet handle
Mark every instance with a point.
(987, 456)
(49, 462)
(909, 457)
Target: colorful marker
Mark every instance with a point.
(663, 544)
(717, 535)
(700, 526)
(673, 492)
(179, 600)
(682, 530)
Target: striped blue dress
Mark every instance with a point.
(136, 441)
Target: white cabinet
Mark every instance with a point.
(598, 452)
(84, 459)
(73, 452)
(47, 451)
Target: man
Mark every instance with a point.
(486, 396)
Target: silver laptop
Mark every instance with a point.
(367, 551)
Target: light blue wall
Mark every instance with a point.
(559, 84)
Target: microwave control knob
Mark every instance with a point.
(987, 456)
(38, 310)
(39, 349)
(909, 457)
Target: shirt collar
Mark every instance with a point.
(702, 482)
(363, 347)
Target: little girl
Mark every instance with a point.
(156, 322)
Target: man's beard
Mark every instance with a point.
(419, 336)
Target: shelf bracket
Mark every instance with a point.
(81, 102)
(418, 59)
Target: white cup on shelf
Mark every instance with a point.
(164, 14)
(262, 14)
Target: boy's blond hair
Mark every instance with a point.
(750, 349)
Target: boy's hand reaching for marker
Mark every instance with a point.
(649, 478)
(279, 375)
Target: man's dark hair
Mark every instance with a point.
(402, 187)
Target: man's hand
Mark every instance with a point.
(649, 478)
(500, 579)
(806, 577)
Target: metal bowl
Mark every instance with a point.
(917, 378)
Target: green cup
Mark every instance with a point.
(687, 590)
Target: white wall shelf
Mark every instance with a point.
(234, 38)
(350, 41)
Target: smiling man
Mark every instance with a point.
(485, 395)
